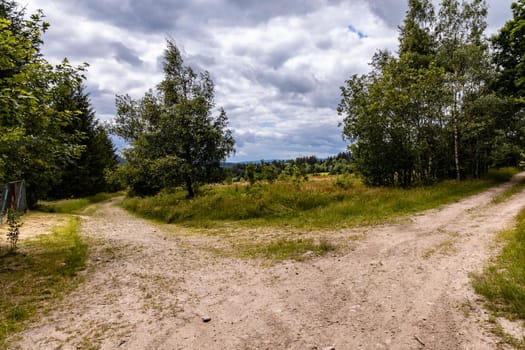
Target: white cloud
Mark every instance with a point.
(277, 64)
(276, 73)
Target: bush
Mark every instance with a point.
(344, 181)
(13, 233)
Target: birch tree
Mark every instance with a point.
(175, 139)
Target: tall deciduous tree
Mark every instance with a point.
(509, 85)
(463, 52)
(393, 115)
(509, 55)
(32, 143)
(175, 138)
(426, 111)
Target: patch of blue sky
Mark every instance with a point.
(359, 33)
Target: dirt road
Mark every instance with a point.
(402, 286)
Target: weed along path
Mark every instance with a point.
(400, 286)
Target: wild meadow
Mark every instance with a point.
(321, 202)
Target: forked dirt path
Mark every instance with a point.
(403, 286)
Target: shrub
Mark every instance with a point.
(14, 223)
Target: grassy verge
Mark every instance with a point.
(42, 270)
(502, 283)
(284, 248)
(516, 188)
(72, 206)
(320, 203)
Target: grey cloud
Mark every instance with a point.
(125, 54)
(499, 14)
(391, 11)
(274, 58)
(102, 98)
(286, 82)
(87, 48)
(254, 12)
(277, 58)
(165, 15)
(201, 62)
(299, 120)
(134, 15)
(306, 139)
(239, 141)
(328, 95)
(325, 44)
(246, 137)
(273, 8)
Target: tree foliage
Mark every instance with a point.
(284, 169)
(175, 140)
(509, 85)
(509, 55)
(86, 174)
(13, 232)
(426, 113)
(39, 137)
(32, 145)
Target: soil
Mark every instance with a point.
(398, 286)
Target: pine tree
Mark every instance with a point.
(85, 175)
(417, 43)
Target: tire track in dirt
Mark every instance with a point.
(402, 286)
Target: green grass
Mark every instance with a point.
(502, 283)
(42, 270)
(321, 203)
(284, 248)
(74, 205)
(514, 189)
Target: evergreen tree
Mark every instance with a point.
(32, 144)
(417, 43)
(84, 175)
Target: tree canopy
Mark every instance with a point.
(509, 55)
(174, 137)
(509, 85)
(428, 112)
(38, 137)
(84, 175)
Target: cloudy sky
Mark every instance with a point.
(277, 65)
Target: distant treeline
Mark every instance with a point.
(448, 103)
(275, 169)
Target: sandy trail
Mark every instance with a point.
(403, 286)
